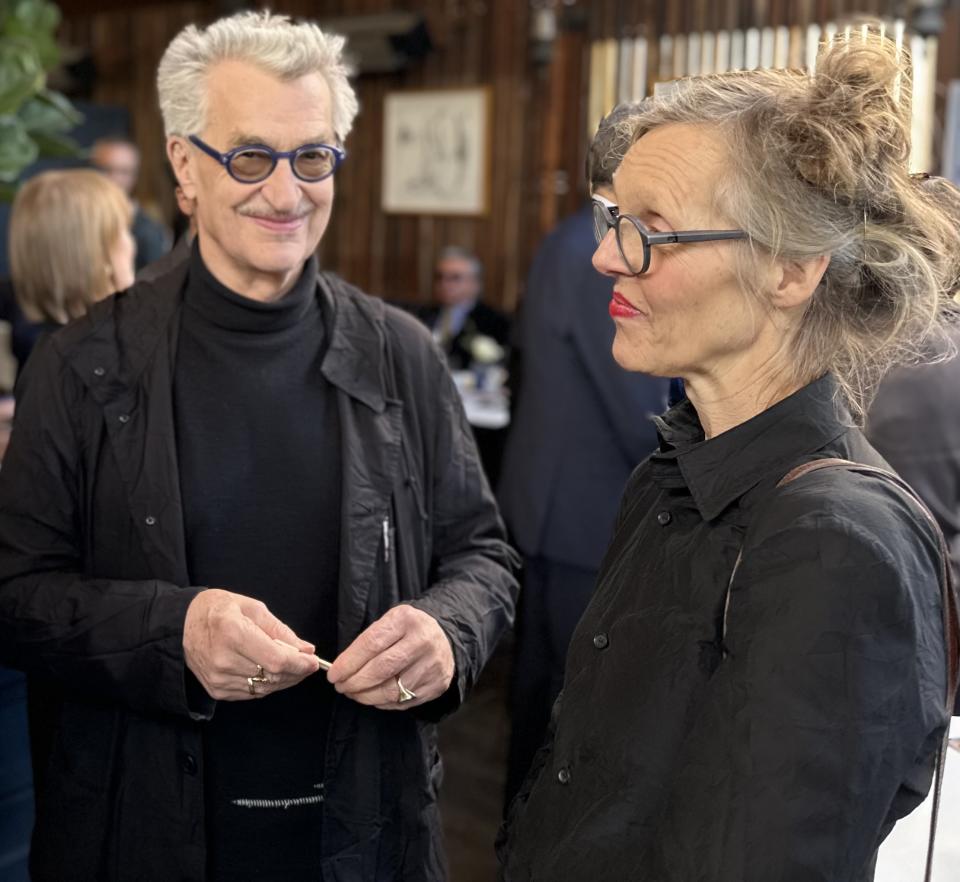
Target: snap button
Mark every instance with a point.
(563, 776)
(664, 518)
(188, 762)
(124, 418)
(149, 520)
(99, 371)
(601, 641)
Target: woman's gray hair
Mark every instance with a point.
(611, 142)
(818, 165)
(273, 43)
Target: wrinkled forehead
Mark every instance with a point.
(243, 100)
(674, 168)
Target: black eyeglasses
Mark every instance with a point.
(634, 240)
(604, 216)
(256, 162)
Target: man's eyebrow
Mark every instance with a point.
(245, 139)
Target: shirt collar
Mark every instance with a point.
(720, 470)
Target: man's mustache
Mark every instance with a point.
(270, 214)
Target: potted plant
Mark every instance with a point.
(34, 120)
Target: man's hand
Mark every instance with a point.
(407, 643)
(226, 636)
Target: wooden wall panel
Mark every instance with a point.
(539, 112)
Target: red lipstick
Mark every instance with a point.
(620, 307)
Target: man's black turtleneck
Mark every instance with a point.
(258, 444)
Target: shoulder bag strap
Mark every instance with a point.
(951, 613)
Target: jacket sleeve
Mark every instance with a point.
(472, 592)
(113, 639)
(820, 725)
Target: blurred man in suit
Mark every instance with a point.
(579, 428)
(459, 316)
(119, 159)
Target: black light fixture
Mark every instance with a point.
(383, 43)
(926, 17)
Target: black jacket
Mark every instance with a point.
(93, 589)
(914, 423)
(783, 745)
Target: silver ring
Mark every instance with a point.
(405, 694)
(257, 678)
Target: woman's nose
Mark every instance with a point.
(607, 259)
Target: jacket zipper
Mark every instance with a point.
(386, 539)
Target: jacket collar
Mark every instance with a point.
(112, 345)
(356, 359)
(719, 471)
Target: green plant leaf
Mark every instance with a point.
(7, 191)
(21, 73)
(17, 148)
(36, 21)
(50, 113)
(52, 145)
(34, 16)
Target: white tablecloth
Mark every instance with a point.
(486, 408)
(903, 854)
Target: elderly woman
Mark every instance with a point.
(756, 692)
(70, 245)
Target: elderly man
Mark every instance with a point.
(221, 476)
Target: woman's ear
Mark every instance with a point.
(182, 165)
(797, 280)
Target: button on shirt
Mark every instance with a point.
(783, 748)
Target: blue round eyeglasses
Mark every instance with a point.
(251, 164)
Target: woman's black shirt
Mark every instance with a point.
(784, 750)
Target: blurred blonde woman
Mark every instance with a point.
(70, 245)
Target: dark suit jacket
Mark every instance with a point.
(24, 333)
(152, 238)
(914, 422)
(580, 422)
(483, 319)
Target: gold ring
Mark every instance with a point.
(405, 694)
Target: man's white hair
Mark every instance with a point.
(272, 42)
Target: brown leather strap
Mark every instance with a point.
(951, 615)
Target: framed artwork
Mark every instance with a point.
(436, 152)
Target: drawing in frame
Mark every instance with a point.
(436, 151)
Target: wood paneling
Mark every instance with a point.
(538, 118)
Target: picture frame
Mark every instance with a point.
(436, 152)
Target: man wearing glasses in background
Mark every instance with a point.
(217, 480)
(459, 316)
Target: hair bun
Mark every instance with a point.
(856, 118)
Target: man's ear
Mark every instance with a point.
(797, 280)
(181, 162)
